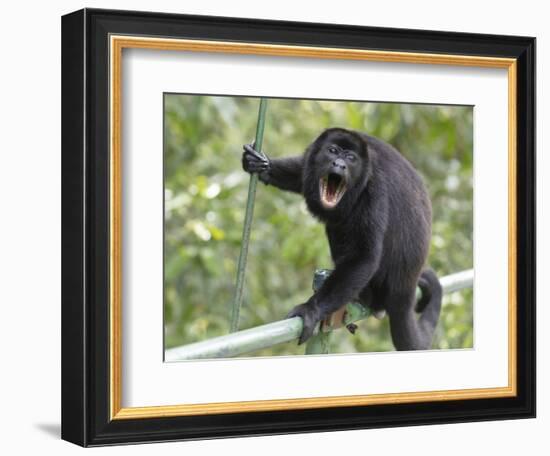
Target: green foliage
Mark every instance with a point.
(205, 198)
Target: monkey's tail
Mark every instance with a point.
(430, 302)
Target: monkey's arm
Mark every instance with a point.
(352, 272)
(342, 286)
(283, 173)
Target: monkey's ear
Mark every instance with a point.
(365, 146)
(323, 136)
(320, 139)
(316, 144)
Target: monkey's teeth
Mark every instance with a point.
(331, 199)
(341, 190)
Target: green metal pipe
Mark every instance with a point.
(265, 336)
(240, 342)
(241, 265)
(457, 281)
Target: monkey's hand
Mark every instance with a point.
(255, 162)
(310, 315)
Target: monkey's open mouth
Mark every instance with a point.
(331, 187)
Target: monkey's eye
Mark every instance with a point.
(332, 150)
(351, 157)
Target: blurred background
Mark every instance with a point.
(205, 199)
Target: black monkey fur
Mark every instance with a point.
(377, 216)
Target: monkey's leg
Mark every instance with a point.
(371, 299)
(408, 332)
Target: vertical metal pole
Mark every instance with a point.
(241, 267)
(319, 344)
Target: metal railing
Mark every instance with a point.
(264, 336)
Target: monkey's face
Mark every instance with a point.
(339, 163)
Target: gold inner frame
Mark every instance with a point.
(117, 44)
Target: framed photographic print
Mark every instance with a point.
(278, 227)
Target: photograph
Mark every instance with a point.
(358, 237)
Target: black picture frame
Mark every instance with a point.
(86, 415)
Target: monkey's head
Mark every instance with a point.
(335, 171)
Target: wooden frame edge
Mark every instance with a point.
(165, 411)
(115, 231)
(512, 227)
(116, 45)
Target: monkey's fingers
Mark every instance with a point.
(254, 163)
(252, 166)
(249, 148)
(294, 313)
(306, 333)
(309, 317)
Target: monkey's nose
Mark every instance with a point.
(339, 163)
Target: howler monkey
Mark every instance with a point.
(377, 217)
